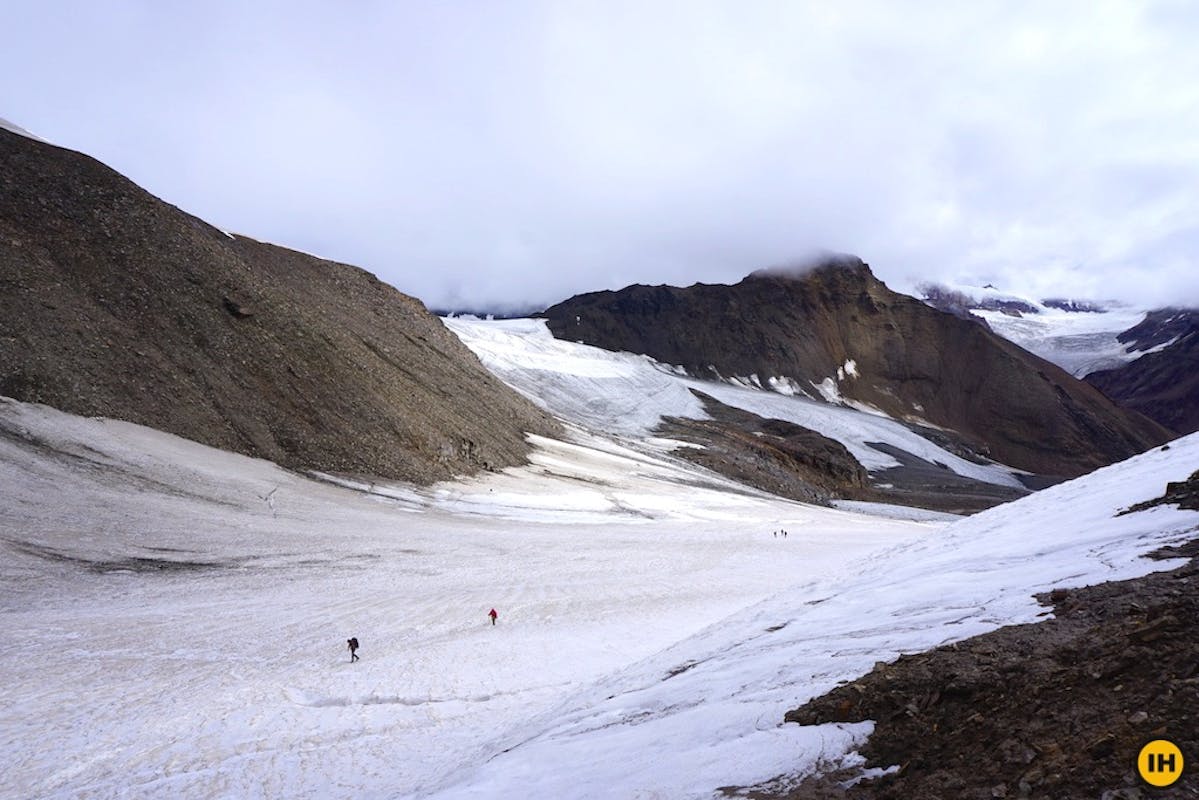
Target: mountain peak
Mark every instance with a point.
(824, 263)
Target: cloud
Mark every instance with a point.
(518, 153)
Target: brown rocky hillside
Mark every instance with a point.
(115, 303)
(912, 361)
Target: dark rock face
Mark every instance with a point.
(961, 304)
(912, 361)
(115, 303)
(1163, 385)
(1159, 327)
(1078, 306)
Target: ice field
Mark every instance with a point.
(1078, 342)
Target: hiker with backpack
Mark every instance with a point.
(353, 645)
(493, 615)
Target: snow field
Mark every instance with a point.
(174, 618)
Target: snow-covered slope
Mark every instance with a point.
(628, 394)
(708, 712)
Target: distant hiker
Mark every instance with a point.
(493, 615)
(776, 534)
(352, 642)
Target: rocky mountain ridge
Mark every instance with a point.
(837, 332)
(115, 303)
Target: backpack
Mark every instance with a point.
(354, 643)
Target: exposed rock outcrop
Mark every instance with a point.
(1160, 327)
(1053, 709)
(791, 461)
(837, 331)
(769, 454)
(115, 303)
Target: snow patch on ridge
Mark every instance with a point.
(750, 382)
(17, 129)
(1136, 352)
(788, 387)
(829, 390)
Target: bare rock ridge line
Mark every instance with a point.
(115, 303)
(910, 360)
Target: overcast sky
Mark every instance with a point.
(488, 153)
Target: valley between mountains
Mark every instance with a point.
(799, 536)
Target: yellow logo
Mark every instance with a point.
(1160, 763)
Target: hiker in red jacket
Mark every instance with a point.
(493, 615)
